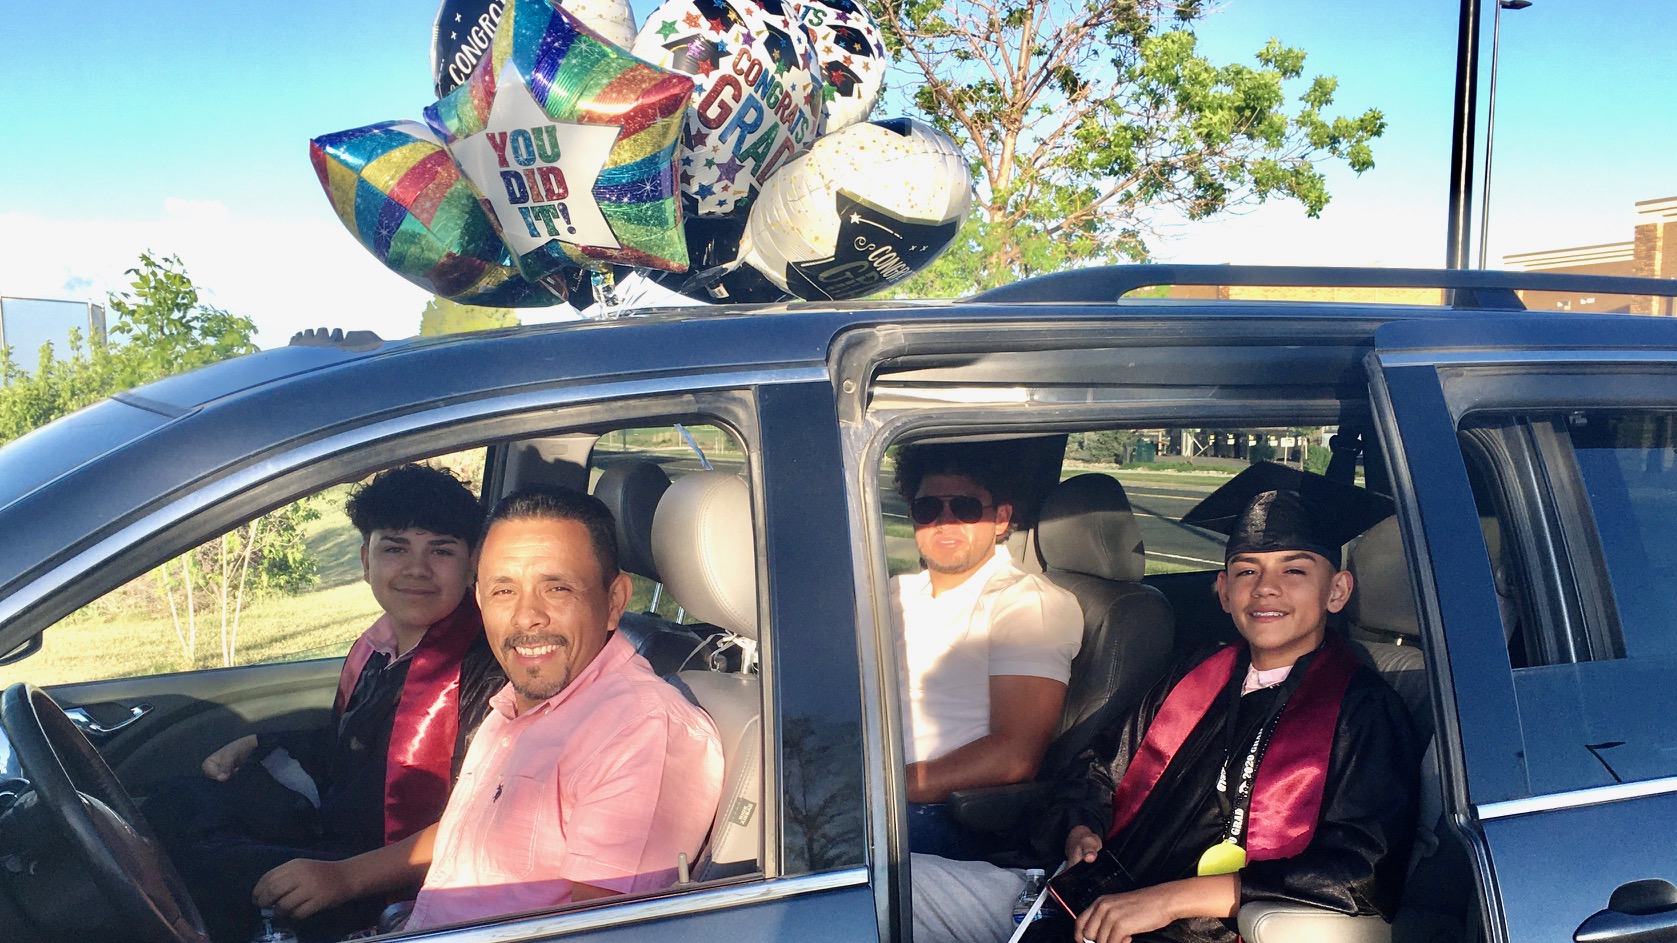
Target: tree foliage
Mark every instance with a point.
(1086, 120)
(161, 329)
(442, 316)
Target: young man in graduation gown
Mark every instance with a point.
(1280, 769)
(414, 686)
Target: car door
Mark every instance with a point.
(1535, 465)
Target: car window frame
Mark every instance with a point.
(197, 514)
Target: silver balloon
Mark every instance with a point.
(868, 206)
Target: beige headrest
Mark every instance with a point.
(1383, 600)
(702, 543)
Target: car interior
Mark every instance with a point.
(684, 514)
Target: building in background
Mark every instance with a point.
(1651, 253)
(27, 323)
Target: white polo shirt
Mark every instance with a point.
(1000, 621)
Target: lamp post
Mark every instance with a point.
(1490, 128)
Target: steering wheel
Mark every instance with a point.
(81, 796)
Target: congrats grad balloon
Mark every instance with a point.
(571, 144)
(395, 188)
(850, 54)
(464, 29)
(758, 100)
(868, 206)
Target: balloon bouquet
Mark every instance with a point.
(722, 152)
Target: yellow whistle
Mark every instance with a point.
(1225, 857)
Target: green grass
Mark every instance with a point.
(130, 633)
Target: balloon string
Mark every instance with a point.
(605, 289)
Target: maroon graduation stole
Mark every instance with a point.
(1287, 791)
(427, 722)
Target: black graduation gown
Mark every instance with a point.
(1356, 858)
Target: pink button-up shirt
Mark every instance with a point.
(604, 783)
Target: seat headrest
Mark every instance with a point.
(631, 492)
(1086, 526)
(1382, 599)
(703, 545)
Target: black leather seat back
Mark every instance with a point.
(632, 491)
(1091, 546)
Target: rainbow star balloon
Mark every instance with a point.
(571, 143)
(396, 189)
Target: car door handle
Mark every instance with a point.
(1638, 912)
(82, 719)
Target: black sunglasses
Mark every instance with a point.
(928, 508)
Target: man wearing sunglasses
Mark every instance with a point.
(984, 649)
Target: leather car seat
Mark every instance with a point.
(632, 491)
(703, 544)
(1091, 546)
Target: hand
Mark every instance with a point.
(1082, 845)
(301, 888)
(226, 761)
(1116, 918)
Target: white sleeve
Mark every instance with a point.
(1036, 629)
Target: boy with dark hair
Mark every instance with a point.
(1280, 768)
(412, 690)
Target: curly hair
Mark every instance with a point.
(978, 461)
(419, 496)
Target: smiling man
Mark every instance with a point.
(984, 648)
(1280, 768)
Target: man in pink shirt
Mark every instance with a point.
(591, 776)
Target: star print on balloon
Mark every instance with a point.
(571, 144)
(395, 188)
(851, 56)
(757, 101)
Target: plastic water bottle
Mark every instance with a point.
(271, 932)
(1035, 880)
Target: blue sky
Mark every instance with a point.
(183, 127)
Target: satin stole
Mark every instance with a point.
(1287, 792)
(427, 722)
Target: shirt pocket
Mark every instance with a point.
(521, 815)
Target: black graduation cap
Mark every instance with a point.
(1272, 507)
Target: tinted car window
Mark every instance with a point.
(1602, 580)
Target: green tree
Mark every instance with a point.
(262, 558)
(442, 316)
(1084, 121)
(167, 330)
(161, 329)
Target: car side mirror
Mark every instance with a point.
(30, 646)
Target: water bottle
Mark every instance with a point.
(1035, 880)
(272, 932)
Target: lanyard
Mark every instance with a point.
(1235, 813)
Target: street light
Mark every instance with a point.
(1490, 128)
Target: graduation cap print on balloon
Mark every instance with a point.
(1270, 507)
(757, 98)
(867, 207)
(570, 141)
(850, 56)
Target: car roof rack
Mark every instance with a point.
(1470, 288)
